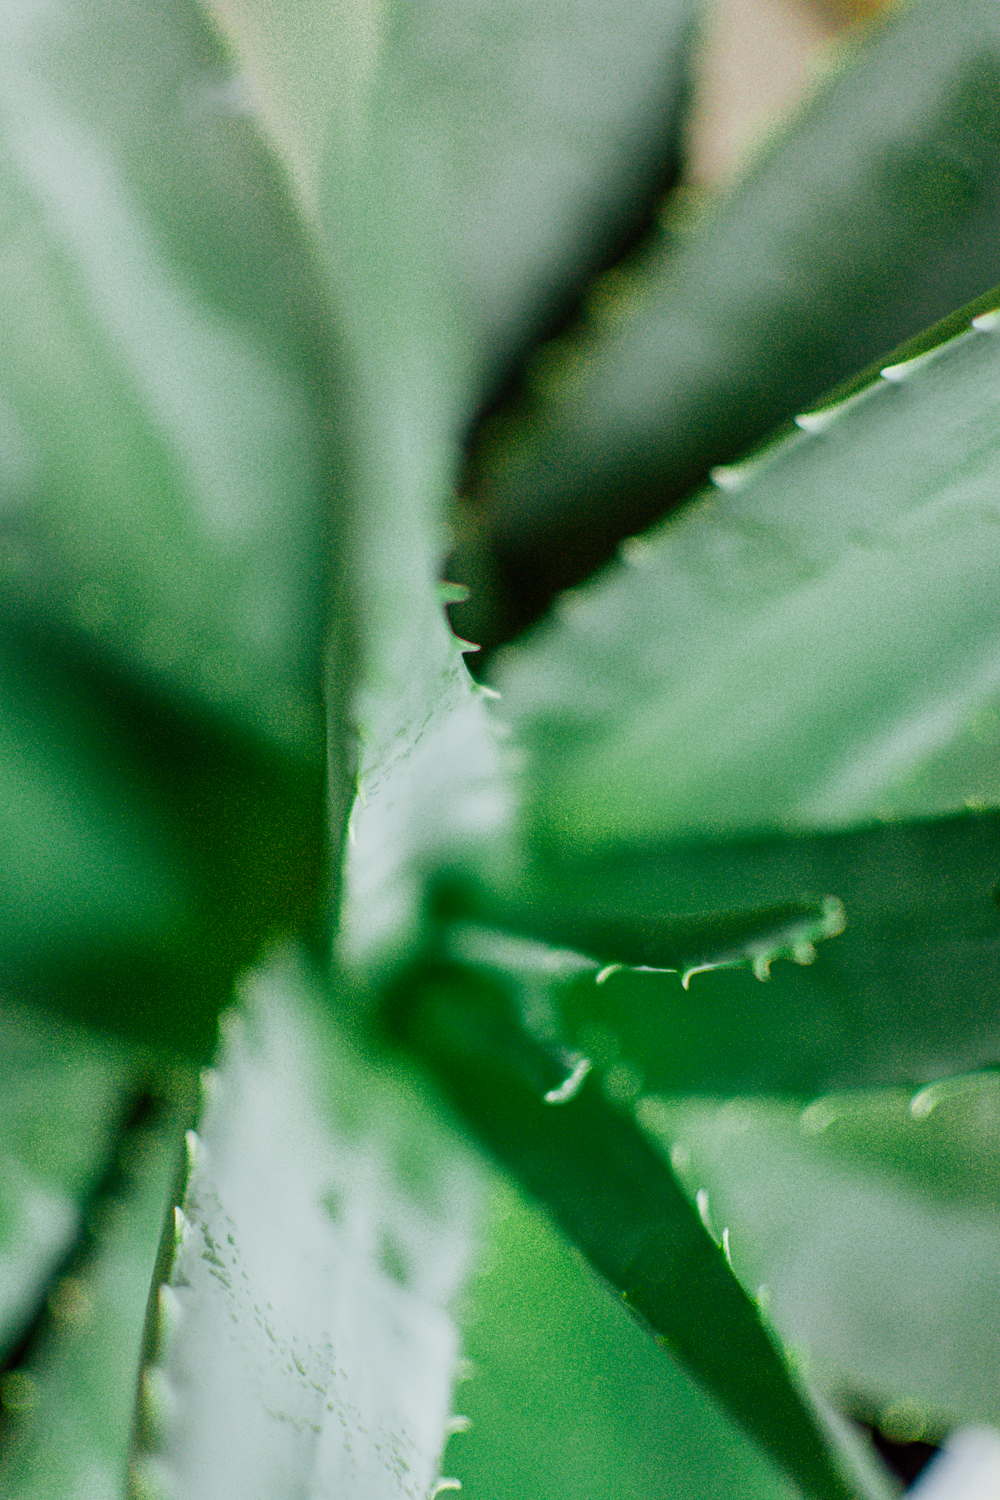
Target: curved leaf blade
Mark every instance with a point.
(568, 1399)
(873, 216)
(871, 1219)
(810, 646)
(75, 1400)
(904, 994)
(607, 1188)
(326, 1229)
(166, 365)
(534, 139)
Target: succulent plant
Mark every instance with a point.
(576, 1077)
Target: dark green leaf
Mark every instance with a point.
(63, 1093)
(72, 1405)
(606, 1186)
(905, 993)
(85, 870)
(147, 858)
(632, 933)
(569, 1400)
(876, 213)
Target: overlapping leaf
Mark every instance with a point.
(71, 1406)
(590, 1166)
(811, 645)
(164, 406)
(167, 456)
(870, 1218)
(326, 1229)
(872, 217)
(62, 1093)
(905, 993)
(569, 1400)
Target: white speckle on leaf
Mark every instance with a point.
(305, 1358)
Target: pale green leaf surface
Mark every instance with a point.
(431, 780)
(163, 403)
(305, 62)
(430, 776)
(568, 1400)
(810, 646)
(62, 1092)
(460, 99)
(871, 217)
(328, 1225)
(493, 126)
(872, 1220)
(530, 137)
(74, 1401)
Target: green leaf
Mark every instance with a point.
(533, 141)
(633, 934)
(73, 1404)
(904, 994)
(606, 1187)
(305, 62)
(85, 870)
(873, 215)
(872, 1220)
(327, 1227)
(165, 442)
(459, 117)
(568, 1399)
(147, 858)
(508, 138)
(810, 646)
(63, 1092)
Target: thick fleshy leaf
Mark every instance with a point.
(873, 216)
(72, 1404)
(534, 140)
(431, 779)
(905, 993)
(590, 1166)
(633, 934)
(63, 1093)
(872, 1220)
(568, 1399)
(85, 870)
(327, 1227)
(429, 775)
(492, 121)
(165, 453)
(812, 645)
(146, 858)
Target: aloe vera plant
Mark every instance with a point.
(573, 1079)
